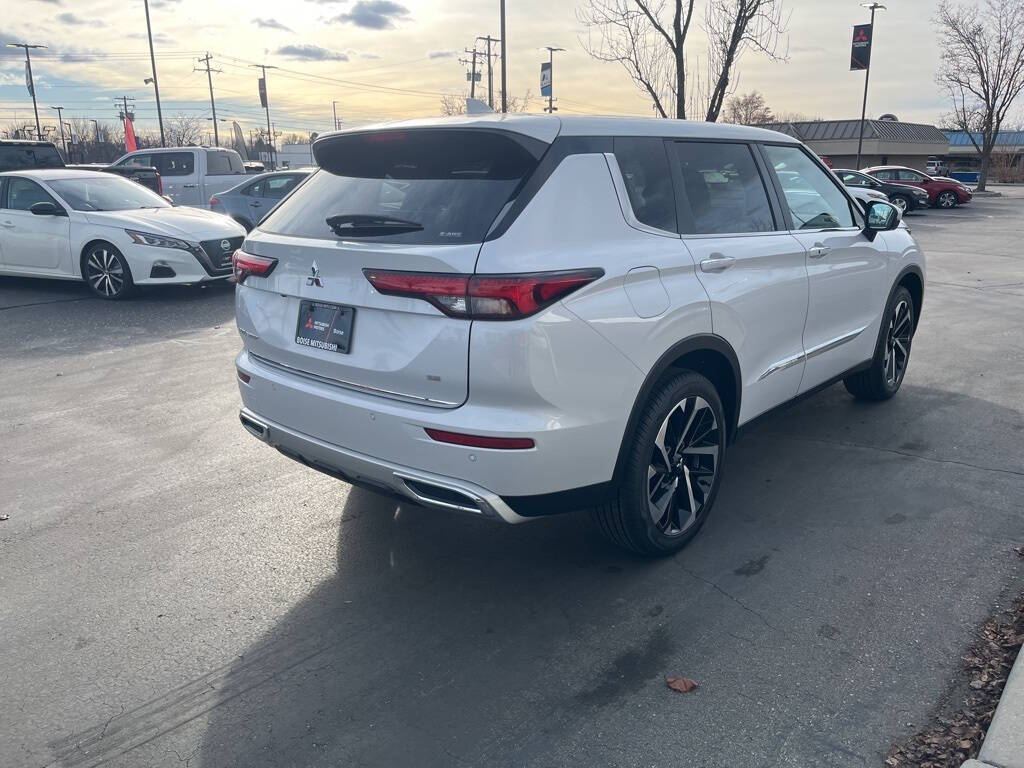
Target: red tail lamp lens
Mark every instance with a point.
(483, 297)
(246, 264)
(478, 441)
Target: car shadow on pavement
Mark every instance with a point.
(444, 640)
(64, 317)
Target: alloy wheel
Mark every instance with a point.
(104, 272)
(684, 462)
(900, 203)
(897, 344)
(947, 200)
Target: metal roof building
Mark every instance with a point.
(886, 142)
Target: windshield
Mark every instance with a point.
(106, 193)
(427, 187)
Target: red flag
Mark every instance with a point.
(129, 136)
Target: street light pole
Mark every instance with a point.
(60, 122)
(31, 82)
(867, 74)
(504, 82)
(270, 136)
(156, 83)
(551, 90)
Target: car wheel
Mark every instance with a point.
(106, 272)
(900, 202)
(672, 470)
(947, 199)
(883, 379)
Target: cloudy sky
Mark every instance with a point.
(382, 59)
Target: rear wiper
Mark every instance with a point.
(367, 225)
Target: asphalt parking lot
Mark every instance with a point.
(174, 593)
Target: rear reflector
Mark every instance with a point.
(483, 297)
(245, 377)
(214, 201)
(246, 264)
(478, 441)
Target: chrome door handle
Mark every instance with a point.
(818, 251)
(256, 204)
(717, 263)
(190, 186)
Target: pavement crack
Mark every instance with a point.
(109, 721)
(896, 451)
(727, 595)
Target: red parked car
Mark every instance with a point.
(942, 193)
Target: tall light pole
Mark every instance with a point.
(874, 6)
(31, 83)
(504, 82)
(156, 83)
(334, 106)
(266, 104)
(551, 88)
(60, 122)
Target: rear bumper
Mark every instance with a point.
(420, 487)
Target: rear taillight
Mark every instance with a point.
(483, 297)
(214, 201)
(246, 264)
(479, 441)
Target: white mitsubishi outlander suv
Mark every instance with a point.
(520, 315)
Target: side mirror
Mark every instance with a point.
(168, 198)
(46, 208)
(881, 217)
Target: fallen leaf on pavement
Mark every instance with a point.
(681, 684)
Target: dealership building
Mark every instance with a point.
(886, 142)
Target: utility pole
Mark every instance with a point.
(472, 78)
(490, 74)
(504, 82)
(266, 104)
(122, 105)
(156, 83)
(213, 105)
(96, 140)
(60, 122)
(31, 83)
(551, 108)
(867, 73)
(334, 106)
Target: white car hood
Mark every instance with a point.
(191, 224)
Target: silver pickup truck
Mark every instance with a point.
(190, 174)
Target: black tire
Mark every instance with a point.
(105, 270)
(688, 405)
(884, 378)
(902, 202)
(947, 199)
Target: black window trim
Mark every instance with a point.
(684, 214)
(5, 184)
(858, 220)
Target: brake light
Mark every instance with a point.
(246, 264)
(214, 201)
(479, 441)
(483, 297)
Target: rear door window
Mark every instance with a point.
(813, 196)
(643, 163)
(909, 176)
(428, 186)
(223, 164)
(176, 163)
(278, 187)
(885, 175)
(723, 189)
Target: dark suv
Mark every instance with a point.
(941, 193)
(903, 196)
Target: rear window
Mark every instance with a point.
(223, 163)
(20, 158)
(428, 187)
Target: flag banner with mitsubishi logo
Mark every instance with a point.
(860, 52)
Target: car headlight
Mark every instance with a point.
(160, 241)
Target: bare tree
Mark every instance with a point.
(455, 104)
(982, 68)
(748, 109)
(184, 130)
(648, 38)
(735, 26)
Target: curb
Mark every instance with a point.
(1004, 742)
(987, 193)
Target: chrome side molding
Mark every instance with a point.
(817, 349)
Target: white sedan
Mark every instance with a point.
(108, 231)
